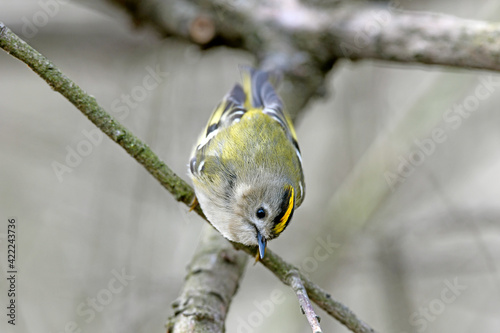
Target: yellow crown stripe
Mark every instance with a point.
(283, 221)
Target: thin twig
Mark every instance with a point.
(88, 105)
(296, 284)
(323, 299)
(181, 191)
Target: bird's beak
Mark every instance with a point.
(262, 245)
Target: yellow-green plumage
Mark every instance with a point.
(246, 167)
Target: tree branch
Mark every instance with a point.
(337, 310)
(181, 191)
(212, 280)
(251, 26)
(304, 41)
(374, 32)
(296, 284)
(87, 104)
(348, 29)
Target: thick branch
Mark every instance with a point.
(355, 30)
(416, 37)
(304, 41)
(12, 44)
(252, 26)
(211, 282)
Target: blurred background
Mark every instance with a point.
(402, 166)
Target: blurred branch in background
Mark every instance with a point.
(12, 44)
(304, 41)
(211, 282)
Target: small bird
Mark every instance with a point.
(246, 166)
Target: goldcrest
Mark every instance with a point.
(246, 166)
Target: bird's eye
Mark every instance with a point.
(261, 213)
